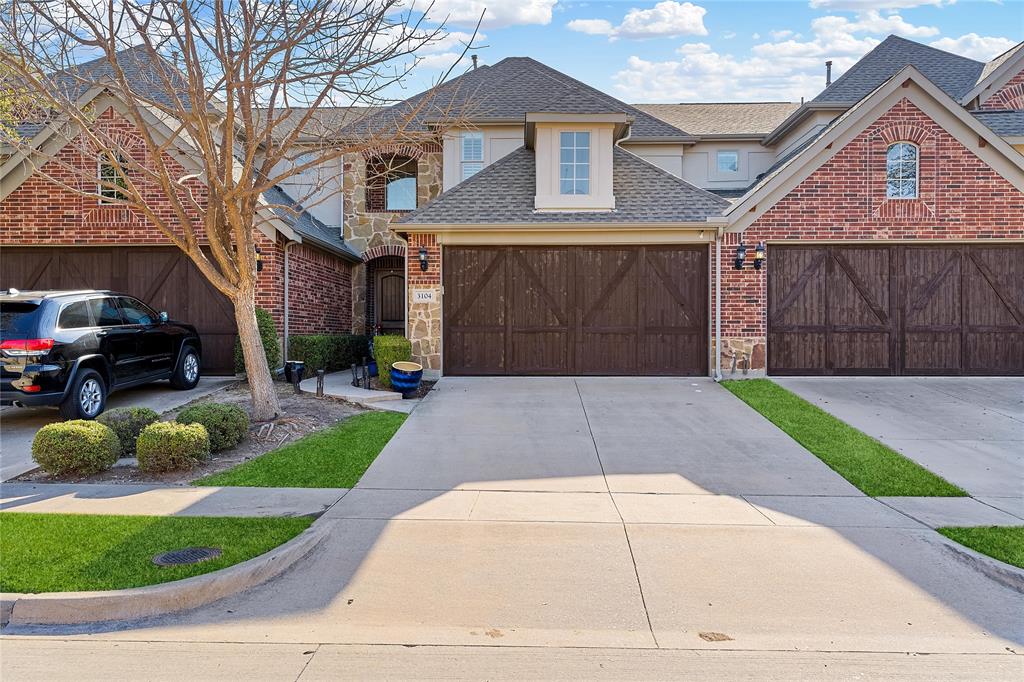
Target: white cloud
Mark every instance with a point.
(498, 14)
(780, 35)
(666, 19)
(594, 27)
(729, 35)
(861, 5)
(693, 48)
(982, 48)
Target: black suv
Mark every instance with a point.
(72, 348)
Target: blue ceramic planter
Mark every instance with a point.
(405, 377)
(372, 368)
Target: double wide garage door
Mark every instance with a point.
(630, 310)
(164, 277)
(896, 309)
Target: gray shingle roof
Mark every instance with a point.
(326, 121)
(503, 193)
(510, 89)
(954, 74)
(300, 220)
(145, 74)
(998, 61)
(722, 118)
(1003, 123)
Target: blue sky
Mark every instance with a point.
(701, 50)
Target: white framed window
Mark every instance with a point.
(110, 181)
(574, 163)
(728, 161)
(901, 171)
(472, 154)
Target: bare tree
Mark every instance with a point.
(226, 100)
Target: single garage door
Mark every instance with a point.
(914, 310)
(630, 310)
(164, 277)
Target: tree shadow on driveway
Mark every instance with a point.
(611, 512)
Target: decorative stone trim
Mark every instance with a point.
(412, 151)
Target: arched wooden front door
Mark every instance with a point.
(389, 305)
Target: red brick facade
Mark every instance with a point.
(416, 276)
(961, 198)
(1010, 96)
(40, 212)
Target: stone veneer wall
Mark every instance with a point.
(424, 318)
(366, 231)
(961, 199)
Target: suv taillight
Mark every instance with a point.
(23, 347)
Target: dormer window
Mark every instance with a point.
(901, 171)
(472, 155)
(574, 163)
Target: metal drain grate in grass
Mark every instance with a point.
(188, 555)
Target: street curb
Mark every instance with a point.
(1002, 573)
(76, 608)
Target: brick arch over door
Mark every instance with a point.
(384, 250)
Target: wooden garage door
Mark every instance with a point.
(916, 310)
(164, 277)
(575, 310)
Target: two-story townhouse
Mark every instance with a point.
(876, 229)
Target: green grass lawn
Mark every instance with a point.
(871, 466)
(67, 552)
(332, 458)
(1003, 543)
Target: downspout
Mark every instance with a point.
(718, 305)
(286, 306)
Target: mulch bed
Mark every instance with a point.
(303, 414)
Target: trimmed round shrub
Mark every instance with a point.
(226, 424)
(268, 336)
(387, 350)
(127, 423)
(167, 446)
(75, 447)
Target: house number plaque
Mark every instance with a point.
(424, 295)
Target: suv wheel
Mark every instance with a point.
(186, 375)
(87, 398)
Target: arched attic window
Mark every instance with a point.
(901, 170)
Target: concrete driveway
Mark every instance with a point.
(636, 513)
(18, 425)
(969, 430)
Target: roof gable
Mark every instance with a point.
(927, 96)
(954, 74)
(503, 193)
(507, 91)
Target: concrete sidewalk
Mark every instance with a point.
(339, 385)
(151, 500)
(603, 513)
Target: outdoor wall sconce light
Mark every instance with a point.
(759, 255)
(741, 255)
(423, 259)
(259, 260)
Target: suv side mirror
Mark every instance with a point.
(163, 316)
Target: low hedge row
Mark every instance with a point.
(89, 447)
(331, 352)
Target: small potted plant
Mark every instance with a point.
(406, 377)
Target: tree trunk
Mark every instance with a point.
(261, 384)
